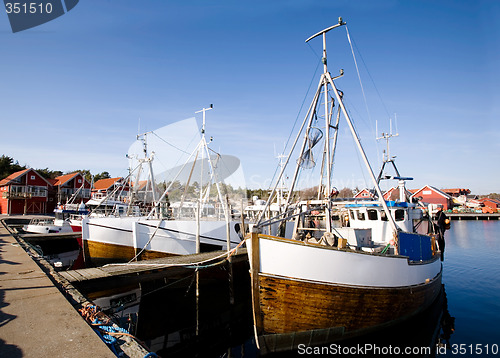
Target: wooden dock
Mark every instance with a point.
(473, 216)
(38, 309)
(116, 275)
(35, 318)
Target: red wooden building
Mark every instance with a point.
(491, 203)
(105, 187)
(364, 194)
(24, 192)
(67, 187)
(432, 195)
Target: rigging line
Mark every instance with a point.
(371, 79)
(362, 88)
(298, 114)
(357, 70)
(173, 146)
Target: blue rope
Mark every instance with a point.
(150, 354)
(101, 328)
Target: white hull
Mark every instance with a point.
(58, 226)
(177, 237)
(329, 265)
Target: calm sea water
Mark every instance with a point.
(464, 320)
(472, 279)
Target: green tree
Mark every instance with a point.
(103, 175)
(8, 166)
(49, 174)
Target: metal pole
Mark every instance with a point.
(363, 155)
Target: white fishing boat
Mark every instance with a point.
(198, 223)
(350, 266)
(64, 220)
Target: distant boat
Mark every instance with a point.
(65, 220)
(350, 266)
(168, 229)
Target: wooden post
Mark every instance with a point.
(254, 272)
(197, 272)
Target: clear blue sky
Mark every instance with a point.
(72, 90)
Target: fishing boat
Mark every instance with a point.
(64, 220)
(350, 266)
(198, 223)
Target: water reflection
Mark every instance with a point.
(166, 321)
(427, 334)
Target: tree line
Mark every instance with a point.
(9, 166)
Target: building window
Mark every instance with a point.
(32, 177)
(79, 181)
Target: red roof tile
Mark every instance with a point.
(105, 183)
(13, 176)
(63, 179)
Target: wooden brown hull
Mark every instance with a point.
(289, 307)
(98, 253)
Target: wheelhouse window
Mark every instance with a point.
(399, 215)
(361, 215)
(352, 215)
(383, 216)
(372, 214)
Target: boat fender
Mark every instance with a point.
(329, 239)
(447, 224)
(299, 236)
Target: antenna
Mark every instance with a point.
(386, 157)
(204, 110)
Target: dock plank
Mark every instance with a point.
(172, 263)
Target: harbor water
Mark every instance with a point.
(462, 322)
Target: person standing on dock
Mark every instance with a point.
(441, 225)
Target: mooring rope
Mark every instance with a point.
(225, 255)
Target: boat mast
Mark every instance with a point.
(328, 79)
(205, 143)
(149, 159)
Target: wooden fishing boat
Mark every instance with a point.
(350, 266)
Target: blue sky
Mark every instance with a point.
(73, 89)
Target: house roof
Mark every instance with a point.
(63, 179)
(141, 184)
(433, 189)
(16, 175)
(13, 176)
(365, 190)
(105, 183)
(496, 201)
(456, 191)
(389, 192)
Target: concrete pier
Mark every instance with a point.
(36, 320)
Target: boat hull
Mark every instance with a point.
(289, 310)
(289, 305)
(115, 239)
